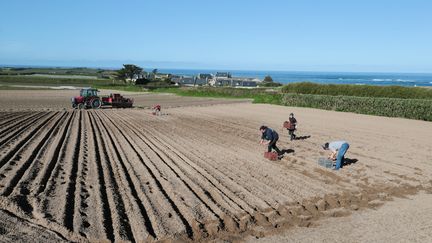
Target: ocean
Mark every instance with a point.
(357, 78)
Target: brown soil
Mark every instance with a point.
(53, 100)
(197, 173)
(401, 220)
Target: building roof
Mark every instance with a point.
(204, 75)
(223, 74)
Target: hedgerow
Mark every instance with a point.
(391, 107)
(358, 90)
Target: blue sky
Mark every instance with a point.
(320, 35)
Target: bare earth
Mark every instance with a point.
(12, 100)
(402, 220)
(197, 173)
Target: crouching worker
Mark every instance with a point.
(157, 110)
(271, 136)
(338, 150)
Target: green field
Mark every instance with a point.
(95, 72)
(55, 76)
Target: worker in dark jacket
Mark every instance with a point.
(293, 126)
(271, 136)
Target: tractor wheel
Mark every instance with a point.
(96, 103)
(80, 106)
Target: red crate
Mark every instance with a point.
(271, 155)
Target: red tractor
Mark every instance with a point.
(89, 98)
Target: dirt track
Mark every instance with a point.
(197, 173)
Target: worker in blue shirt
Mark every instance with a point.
(338, 150)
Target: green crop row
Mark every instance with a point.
(358, 90)
(390, 107)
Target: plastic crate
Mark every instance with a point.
(325, 162)
(271, 155)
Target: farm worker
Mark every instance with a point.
(338, 150)
(271, 136)
(157, 109)
(292, 127)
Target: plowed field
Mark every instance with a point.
(197, 173)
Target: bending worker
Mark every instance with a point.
(271, 136)
(338, 150)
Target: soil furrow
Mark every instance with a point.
(70, 196)
(194, 191)
(55, 157)
(130, 184)
(24, 141)
(200, 190)
(223, 179)
(212, 182)
(25, 165)
(11, 118)
(27, 182)
(121, 224)
(269, 184)
(5, 116)
(188, 220)
(84, 222)
(17, 126)
(106, 204)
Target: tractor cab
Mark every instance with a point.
(88, 92)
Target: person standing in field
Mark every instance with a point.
(271, 136)
(338, 150)
(157, 110)
(293, 126)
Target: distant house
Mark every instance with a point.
(244, 82)
(249, 84)
(176, 79)
(162, 75)
(204, 76)
(223, 75)
(234, 81)
(221, 82)
(184, 81)
(201, 81)
(135, 78)
(189, 81)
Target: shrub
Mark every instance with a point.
(391, 107)
(358, 90)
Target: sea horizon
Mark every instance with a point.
(322, 77)
(412, 79)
